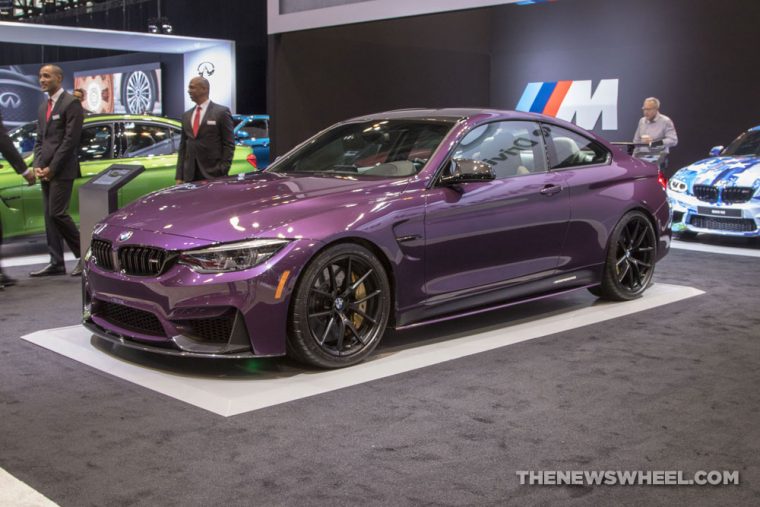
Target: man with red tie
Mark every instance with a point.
(56, 164)
(207, 143)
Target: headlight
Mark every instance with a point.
(677, 185)
(232, 256)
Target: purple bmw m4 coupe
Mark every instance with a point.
(395, 219)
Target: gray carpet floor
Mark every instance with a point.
(673, 388)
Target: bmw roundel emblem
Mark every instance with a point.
(125, 235)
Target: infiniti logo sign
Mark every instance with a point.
(206, 69)
(10, 100)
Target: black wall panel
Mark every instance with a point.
(698, 56)
(322, 76)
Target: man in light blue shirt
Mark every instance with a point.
(655, 130)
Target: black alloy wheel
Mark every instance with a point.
(631, 255)
(340, 309)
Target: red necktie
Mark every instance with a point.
(49, 109)
(196, 121)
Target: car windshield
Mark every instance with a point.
(383, 149)
(746, 144)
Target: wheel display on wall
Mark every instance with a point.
(139, 91)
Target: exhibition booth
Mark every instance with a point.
(409, 307)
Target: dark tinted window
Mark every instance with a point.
(23, 138)
(142, 140)
(511, 148)
(95, 143)
(746, 144)
(572, 150)
(257, 129)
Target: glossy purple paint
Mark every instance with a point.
(486, 244)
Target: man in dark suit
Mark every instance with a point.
(207, 143)
(14, 158)
(56, 164)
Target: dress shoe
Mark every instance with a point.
(49, 270)
(6, 281)
(77, 271)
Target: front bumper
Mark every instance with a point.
(692, 215)
(183, 313)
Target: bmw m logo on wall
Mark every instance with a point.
(568, 100)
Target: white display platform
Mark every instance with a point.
(696, 246)
(13, 492)
(229, 393)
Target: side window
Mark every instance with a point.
(95, 143)
(141, 140)
(513, 148)
(23, 138)
(257, 129)
(572, 150)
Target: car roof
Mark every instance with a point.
(127, 117)
(450, 115)
(250, 116)
(454, 114)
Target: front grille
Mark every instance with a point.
(129, 318)
(142, 260)
(706, 193)
(733, 195)
(723, 224)
(216, 329)
(101, 251)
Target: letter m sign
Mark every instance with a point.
(574, 101)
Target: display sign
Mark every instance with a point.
(134, 89)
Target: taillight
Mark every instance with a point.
(252, 160)
(662, 179)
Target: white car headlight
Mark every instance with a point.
(231, 256)
(677, 185)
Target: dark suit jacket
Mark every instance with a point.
(212, 150)
(9, 152)
(57, 144)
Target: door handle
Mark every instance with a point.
(551, 189)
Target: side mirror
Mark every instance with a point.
(715, 151)
(465, 170)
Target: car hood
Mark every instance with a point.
(251, 205)
(741, 171)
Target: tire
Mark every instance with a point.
(139, 91)
(334, 323)
(631, 254)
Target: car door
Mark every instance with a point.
(95, 154)
(491, 233)
(154, 146)
(594, 182)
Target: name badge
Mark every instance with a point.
(211, 122)
(56, 117)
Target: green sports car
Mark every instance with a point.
(149, 141)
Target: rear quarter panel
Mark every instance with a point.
(599, 197)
